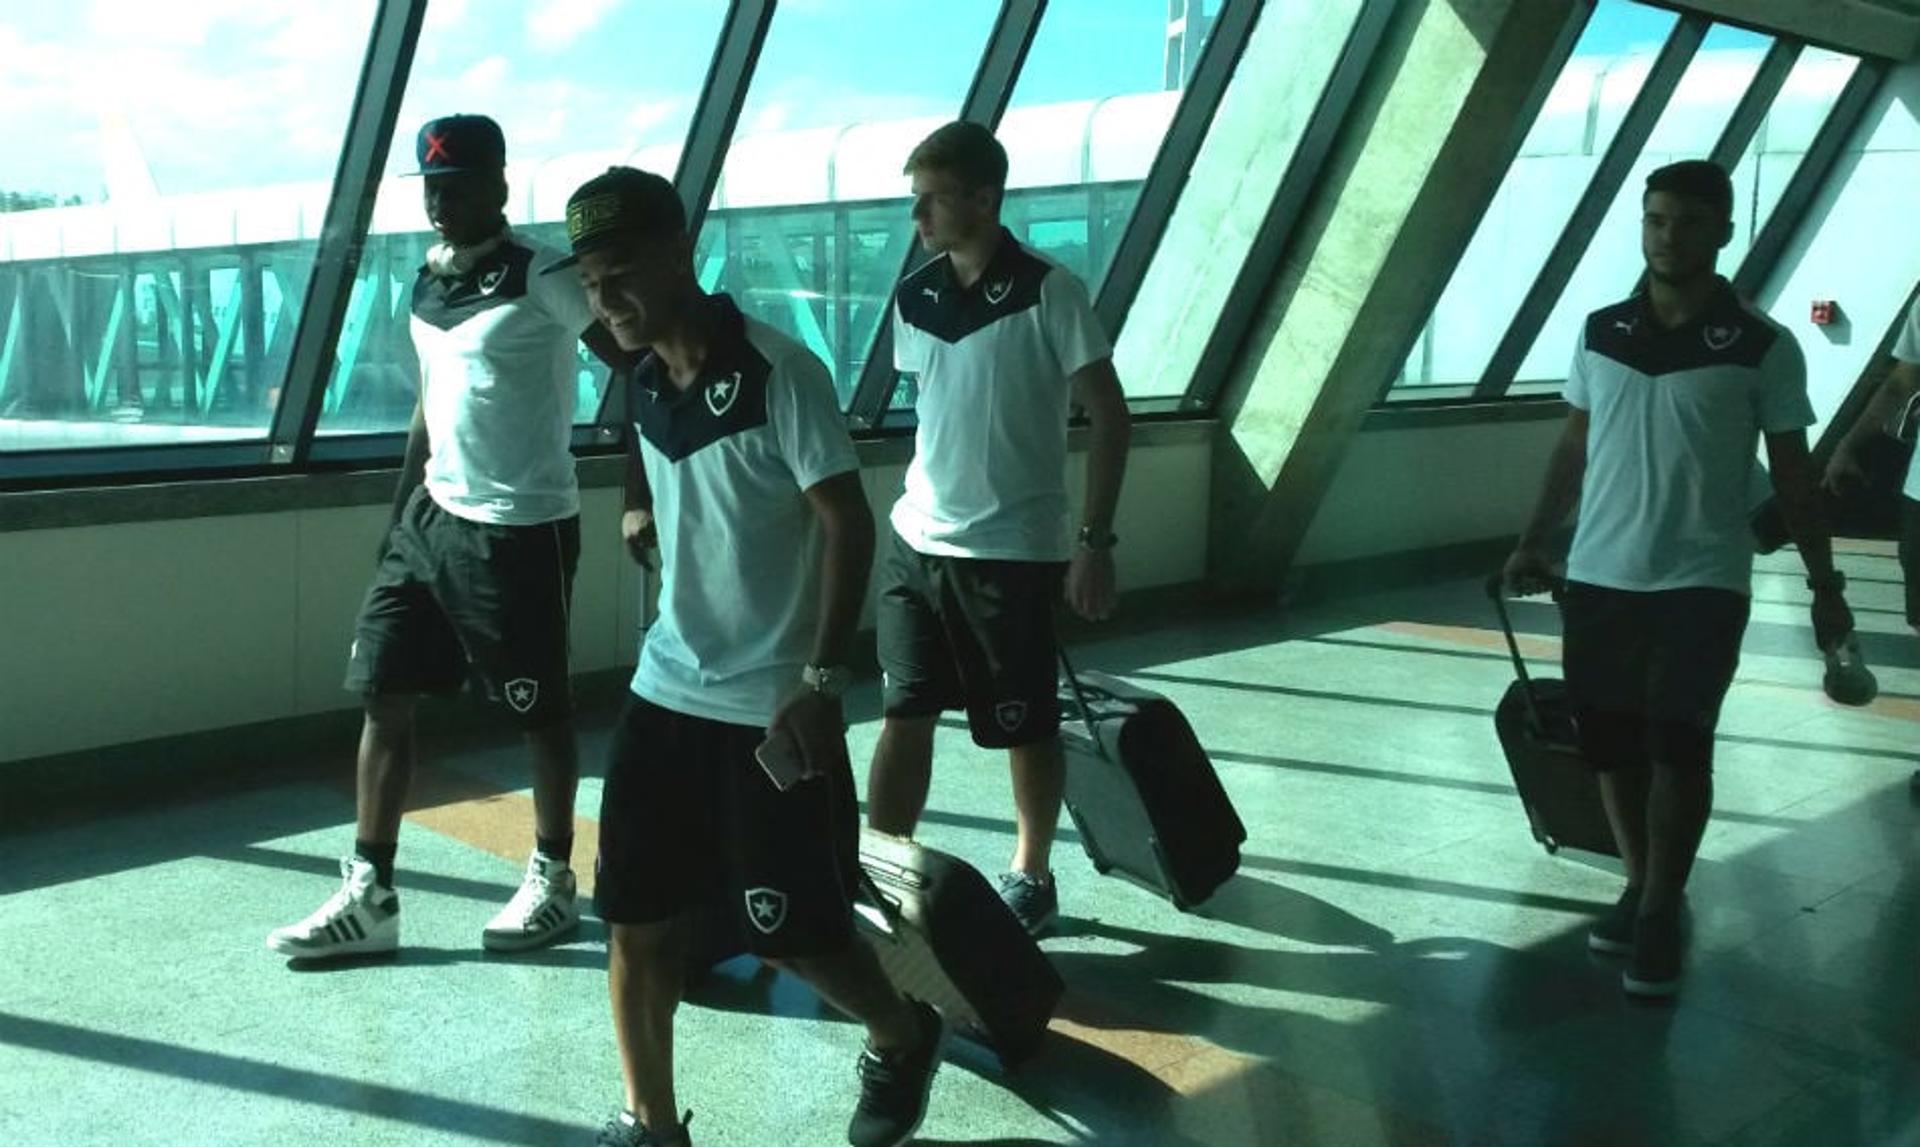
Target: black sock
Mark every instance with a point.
(380, 856)
(558, 848)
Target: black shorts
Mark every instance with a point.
(688, 819)
(1910, 557)
(973, 634)
(1647, 672)
(452, 594)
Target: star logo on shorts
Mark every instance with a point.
(766, 909)
(722, 392)
(1010, 714)
(522, 692)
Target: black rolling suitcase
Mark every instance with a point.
(944, 936)
(1557, 787)
(1142, 792)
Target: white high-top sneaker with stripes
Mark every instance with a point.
(541, 912)
(361, 919)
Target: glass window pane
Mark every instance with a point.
(810, 225)
(1811, 90)
(1092, 105)
(575, 89)
(1691, 124)
(167, 171)
(1556, 162)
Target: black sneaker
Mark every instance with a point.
(1034, 901)
(894, 1086)
(623, 1130)
(1613, 932)
(1655, 970)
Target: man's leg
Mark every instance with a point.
(363, 918)
(1008, 657)
(1039, 787)
(853, 981)
(646, 968)
(1624, 791)
(1680, 799)
(1679, 802)
(656, 842)
(389, 749)
(795, 860)
(900, 774)
(917, 663)
(556, 780)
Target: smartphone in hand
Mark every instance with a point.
(779, 757)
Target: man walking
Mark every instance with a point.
(728, 787)
(1669, 391)
(476, 571)
(1001, 342)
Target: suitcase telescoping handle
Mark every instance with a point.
(1497, 590)
(1080, 700)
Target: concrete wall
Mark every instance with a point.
(1409, 488)
(128, 631)
(1857, 247)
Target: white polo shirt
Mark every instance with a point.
(729, 460)
(1906, 348)
(1675, 421)
(988, 477)
(497, 365)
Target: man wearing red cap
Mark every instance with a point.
(476, 571)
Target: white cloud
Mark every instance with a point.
(183, 23)
(483, 80)
(648, 116)
(554, 25)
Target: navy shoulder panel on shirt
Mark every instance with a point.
(1728, 335)
(495, 281)
(933, 301)
(729, 399)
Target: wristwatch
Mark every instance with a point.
(827, 680)
(1835, 581)
(1102, 540)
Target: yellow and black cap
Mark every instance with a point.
(618, 205)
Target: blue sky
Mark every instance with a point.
(215, 94)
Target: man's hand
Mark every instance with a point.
(817, 726)
(1843, 470)
(1530, 570)
(1091, 586)
(636, 530)
(1832, 619)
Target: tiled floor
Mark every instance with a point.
(1397, 963)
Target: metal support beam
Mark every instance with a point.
(1608, 178)
(1809, 177)
(986, 102)
(1290, 199)
(1167, 178)
(356, 182)
(1755, 103)
(1857, 27)
(735, 57)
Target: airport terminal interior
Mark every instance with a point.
(1344, 250)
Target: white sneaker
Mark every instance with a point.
(360, 919)
(540, 913)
